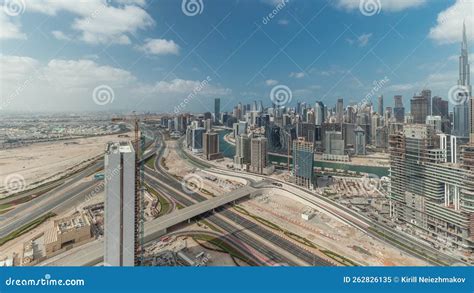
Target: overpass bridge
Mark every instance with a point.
(158, 227)
(92, 253)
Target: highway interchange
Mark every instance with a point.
(254, 241)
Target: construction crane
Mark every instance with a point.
(139, 146)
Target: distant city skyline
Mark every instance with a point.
(153, 55)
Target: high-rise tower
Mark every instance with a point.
(119, 224)
(464, 67)
(380, 105)
(461, 109)
(217, 110)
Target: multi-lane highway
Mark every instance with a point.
(171, 183)
(262, 241)
(61, 197)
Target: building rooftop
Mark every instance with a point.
(119, 147)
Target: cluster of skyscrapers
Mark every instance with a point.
(431, 167)
(431, 153)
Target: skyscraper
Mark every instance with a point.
(217, 109)
(426, 94)
(380, 105)
(303, 163)
(211, 145)
(461, 108)
(258, 155)
(419, 109)
(464, 67)
(375, 123)
(334, 143)
(242, 150)
(197, 135)
(119, 218)
(340, 110)
(429, 191)
(359, 141)
(319, 113)
(398, 109)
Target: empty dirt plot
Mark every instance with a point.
(326, 232)
(37, 162)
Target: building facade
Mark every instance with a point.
(119, 206)
(429, 189)
(303, 163)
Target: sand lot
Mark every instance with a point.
(48, 161)
(328, 232)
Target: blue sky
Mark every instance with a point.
(153, 55)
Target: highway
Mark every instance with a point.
(167, 221)
(240, 228)
(248, 225)
(58, 198)
(391, 236)
(92, 252)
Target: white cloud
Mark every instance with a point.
(8, 29)
(448, 28)
(363, 39)
(385, 5)
(30, 85)
(271, 82)
(401, 87)
(456, 58)
(159, 47)
(71, 75)
(60, 36)
(15, 69)
(297, 74)
(182, 86)
(274, 2)
(439, 83)
(97, 21)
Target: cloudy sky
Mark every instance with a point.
(64, 55)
